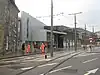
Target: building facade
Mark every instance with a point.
(98, 34)
(32, 30)
(84, 36)
(9, 21)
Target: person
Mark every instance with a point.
(23, 48)
(90, 48)
(69, 45)
(28, 48)
(84, 47)
(46, 47)
(42, 47)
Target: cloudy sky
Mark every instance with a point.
(90, 9)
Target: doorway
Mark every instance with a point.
(60, 41)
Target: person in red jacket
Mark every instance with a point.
(28, 48)
(42, 47)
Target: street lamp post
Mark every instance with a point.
(75, 34)
(51, 28)
(75, 42)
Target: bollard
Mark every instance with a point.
(45, 56)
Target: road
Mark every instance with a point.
(13, 66)
(82, 64)
(85, 63)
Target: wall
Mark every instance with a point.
(3, 3)
(39, 35)
(35, 31)
(2, 7)
(1, 36)
(13, 26)
(9, 19)
(98, 34)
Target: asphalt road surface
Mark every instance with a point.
(82, 64)
(85, 63)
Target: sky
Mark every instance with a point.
(39, 8)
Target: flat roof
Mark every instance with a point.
(56, 32)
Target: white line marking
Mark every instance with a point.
(41, 74)
(26, 68)
(41, 59)
(28, 58)
(47, 64)
(90, 60)
(60, 69)
(83, 54)
(12, 61)
(91, 71)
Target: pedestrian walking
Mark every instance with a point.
(83, 47)
(69, 45)
(90, 48)
(42, 47)
(46, 50)
(46, 47)
(28, 49)
(23, 48)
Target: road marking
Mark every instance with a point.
(60, 69)
(27, 58)
(38, 60)
(12, 61)
(26, 68)
(85, 54)
(41, 59)
(91, 71)
(48, 64)
(90, 60)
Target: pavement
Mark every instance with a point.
(12, 66)
(63, 63)
(38, 51)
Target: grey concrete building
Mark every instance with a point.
(33, 30)
(70, 37)
(19, 33)
(83, 35)
(98, 34)
(9, 21)
(98, 37)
